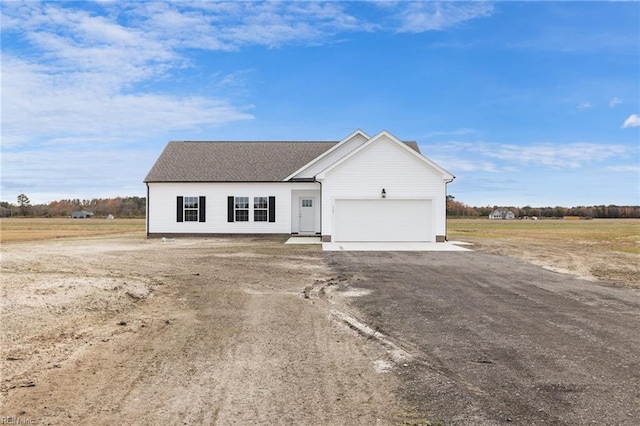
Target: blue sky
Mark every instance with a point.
(526, 103)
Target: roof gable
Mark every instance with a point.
(342, 148)
(388, 136)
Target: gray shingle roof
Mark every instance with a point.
(235, 161)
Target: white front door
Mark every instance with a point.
(307, 214)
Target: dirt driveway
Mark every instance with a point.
(133, 331)
(112, 330)
(495, 340)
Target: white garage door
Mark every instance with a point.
(383, 220)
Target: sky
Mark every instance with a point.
(526, 103)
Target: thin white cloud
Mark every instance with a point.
(228, 26)
(571, 155)
(614, 102)
(623, 169)
(632, 121)
(539, 173)
(457, 132)
(55, 106)
(417, 17)
(97, 174)
(584, 105)
(460, 165)
(478, 154)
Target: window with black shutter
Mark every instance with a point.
(191, 209)
(241, 207)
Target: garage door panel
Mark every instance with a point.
(383, 220)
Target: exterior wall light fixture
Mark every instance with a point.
(384, 193)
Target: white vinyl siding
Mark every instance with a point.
(162, 206)
(384, 164)
(333, 156)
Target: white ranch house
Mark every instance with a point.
(359, 189)
(502, 214)
(81, 214)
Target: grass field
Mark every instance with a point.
(607, 234)
(604, 249)
(33, 229)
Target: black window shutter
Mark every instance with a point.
(179, 210)
(230, 209)
(203, 209)
(272, 209)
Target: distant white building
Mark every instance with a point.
(82, 214)
(502, 214)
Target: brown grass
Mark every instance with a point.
(607, 234)
(606, 249)
(32, 229)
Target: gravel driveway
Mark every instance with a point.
(496, 340)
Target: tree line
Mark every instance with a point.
(122, 207)
(458, 209)
(132, 207)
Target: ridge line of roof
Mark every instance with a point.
(253, 141)
(269, 141)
